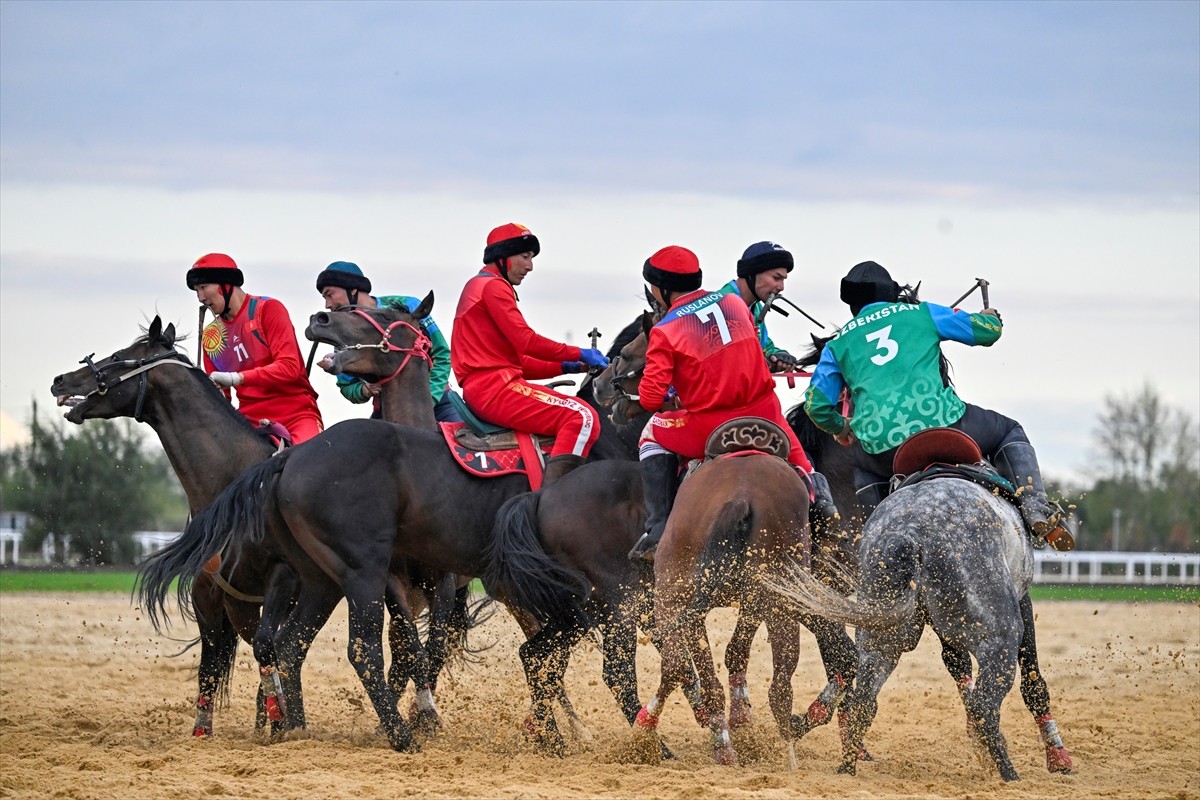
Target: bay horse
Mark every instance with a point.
(736, 519)
(837, 464)
(832, 549)
(948, 553)
(208, 444)
(349, 504)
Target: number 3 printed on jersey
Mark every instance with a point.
(715, 313)
(885, 343)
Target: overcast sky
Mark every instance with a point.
(1053, 148)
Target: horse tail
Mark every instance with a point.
(897, 582)
(238, 515)
(519, 568)
(724, 553)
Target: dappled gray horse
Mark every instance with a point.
(947, 553)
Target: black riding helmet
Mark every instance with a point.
(868, 283)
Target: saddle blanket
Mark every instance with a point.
(492, 463)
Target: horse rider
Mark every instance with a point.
(250, 348)
(762, 271)
(343, 285)
(888, 357)
(495, 355)
(707, 348)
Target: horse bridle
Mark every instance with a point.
(618, 379)
(139, 369)
(420, 346)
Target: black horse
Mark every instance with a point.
(345, 507)
(208, 444)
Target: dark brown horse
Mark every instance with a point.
(349, 505)
(208, 444)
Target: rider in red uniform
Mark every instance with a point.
(251, 346)
(707, 348)
(495, 354)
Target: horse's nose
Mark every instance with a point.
(319, 318)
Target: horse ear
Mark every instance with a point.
(425, 308)
(168, 335)
(155, 329)
(647, 322)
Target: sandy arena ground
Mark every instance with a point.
(93, 706)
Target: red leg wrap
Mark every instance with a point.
(647, 721)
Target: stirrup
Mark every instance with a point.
(643, 550)
(1060, 538)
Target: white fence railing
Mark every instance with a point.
(1099, 566)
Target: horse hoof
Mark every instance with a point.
(645, 720)
(848, 768)
(864, 755)
(200, 732)
(426, 723)
(1058, 760)
(725, 757)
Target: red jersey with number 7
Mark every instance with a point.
(707, 348)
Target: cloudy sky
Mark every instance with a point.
(1052, 148)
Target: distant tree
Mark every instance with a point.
(97, 487)
(1148, 467)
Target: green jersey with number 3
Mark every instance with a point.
(888, 357)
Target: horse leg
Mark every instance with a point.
(957, 660)
(1036, 694)
(619, 649)
(317, 598)
(737, 658)
(839, 658)
(544, 658)
(997, 660)
(875, 664)
(277, 600)
(442, 608)
(364, 595)
(218, 650)
(784, 635)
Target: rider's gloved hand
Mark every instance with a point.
(572, 367)
(226, 378)
(782, 361)
(624, 409)
(593, 358)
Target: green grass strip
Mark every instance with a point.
(122, 582)
(101, 581)
(1119, 593)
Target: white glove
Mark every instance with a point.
(226, 378)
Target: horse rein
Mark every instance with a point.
(618, 379)
(140, 368)
(420, 347)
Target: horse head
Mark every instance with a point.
(623, 376)
(103, 389)
(375, 344)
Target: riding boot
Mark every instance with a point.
(557, 466)
(1017, 462)
(660, 480)
(823, 504)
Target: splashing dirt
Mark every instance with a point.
(93, 706)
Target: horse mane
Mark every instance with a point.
(627, 335)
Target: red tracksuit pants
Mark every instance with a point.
(528, 407)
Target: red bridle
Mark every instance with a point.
(420, 347)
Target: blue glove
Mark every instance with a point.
(593, 358)
(572, 367)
